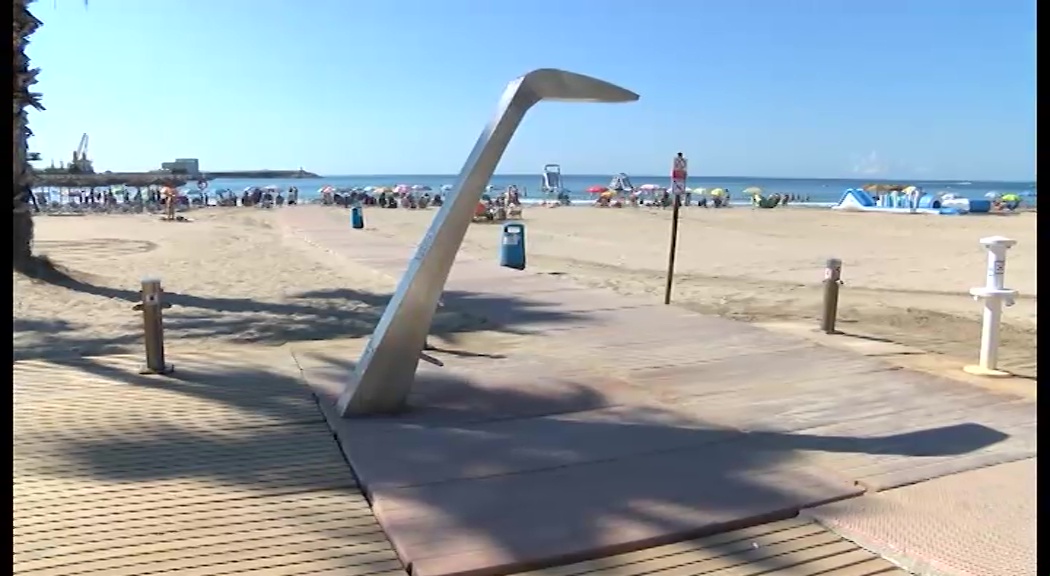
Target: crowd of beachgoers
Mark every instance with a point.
(496, 203)
(402, 196)
(118, 199)
(499, 204)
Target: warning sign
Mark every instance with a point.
(679, 172)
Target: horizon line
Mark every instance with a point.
(530, 174)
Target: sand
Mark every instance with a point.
(236, 276)
(233, 276)
(906, 277)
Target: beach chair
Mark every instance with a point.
(481, 213)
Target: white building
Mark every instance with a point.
(190, 166)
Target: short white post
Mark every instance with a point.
(994, 296)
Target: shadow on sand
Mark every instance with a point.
(315, 315)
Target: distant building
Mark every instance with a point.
(190, 166)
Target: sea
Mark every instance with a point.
(819, 192)
(815, 192)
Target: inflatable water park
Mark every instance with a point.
(910, 200)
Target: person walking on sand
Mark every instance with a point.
(170, 196)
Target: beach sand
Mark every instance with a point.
(906, 277)
(236, 276)
(233, 276)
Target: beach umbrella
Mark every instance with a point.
(991, 195)
(718, 191)
(909, 189)
(421, 188)
(402, 189)
(700, 191)
(753, 191)
(650, 187)
(882, 187)
(597, 190)
(446, 187)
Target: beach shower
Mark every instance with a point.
(383, 377)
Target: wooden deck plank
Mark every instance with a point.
(802, 549)
(107, 393)
(514, 390)
(303, 559)
(520, 445)
(225, 546)
(158, 496)
(770, 533)
(598, 506)
(234, 516)
(206, 474)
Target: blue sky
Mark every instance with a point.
(819, 88)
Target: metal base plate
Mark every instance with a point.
(168, 369)
(981, 371)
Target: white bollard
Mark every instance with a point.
(994, 296)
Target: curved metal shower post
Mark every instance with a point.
(383, 377)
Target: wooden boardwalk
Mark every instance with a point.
(792, 547)
(224, 468)
(222, 472)
(615, 425)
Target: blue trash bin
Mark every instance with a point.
(357, 218)
(512, 248)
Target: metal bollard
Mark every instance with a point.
(994, 295)
(153, 327)
(832, 281)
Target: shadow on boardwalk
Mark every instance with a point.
(466, 496)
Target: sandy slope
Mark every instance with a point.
(906, 277)
(233, 275)
(239, 278)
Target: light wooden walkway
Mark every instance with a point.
(793, 547)
(226, 468)
(615, 424)
(209, 499)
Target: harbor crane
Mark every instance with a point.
(80, 163)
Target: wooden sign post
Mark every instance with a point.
(679, 172)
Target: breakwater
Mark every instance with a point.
(254, 174)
